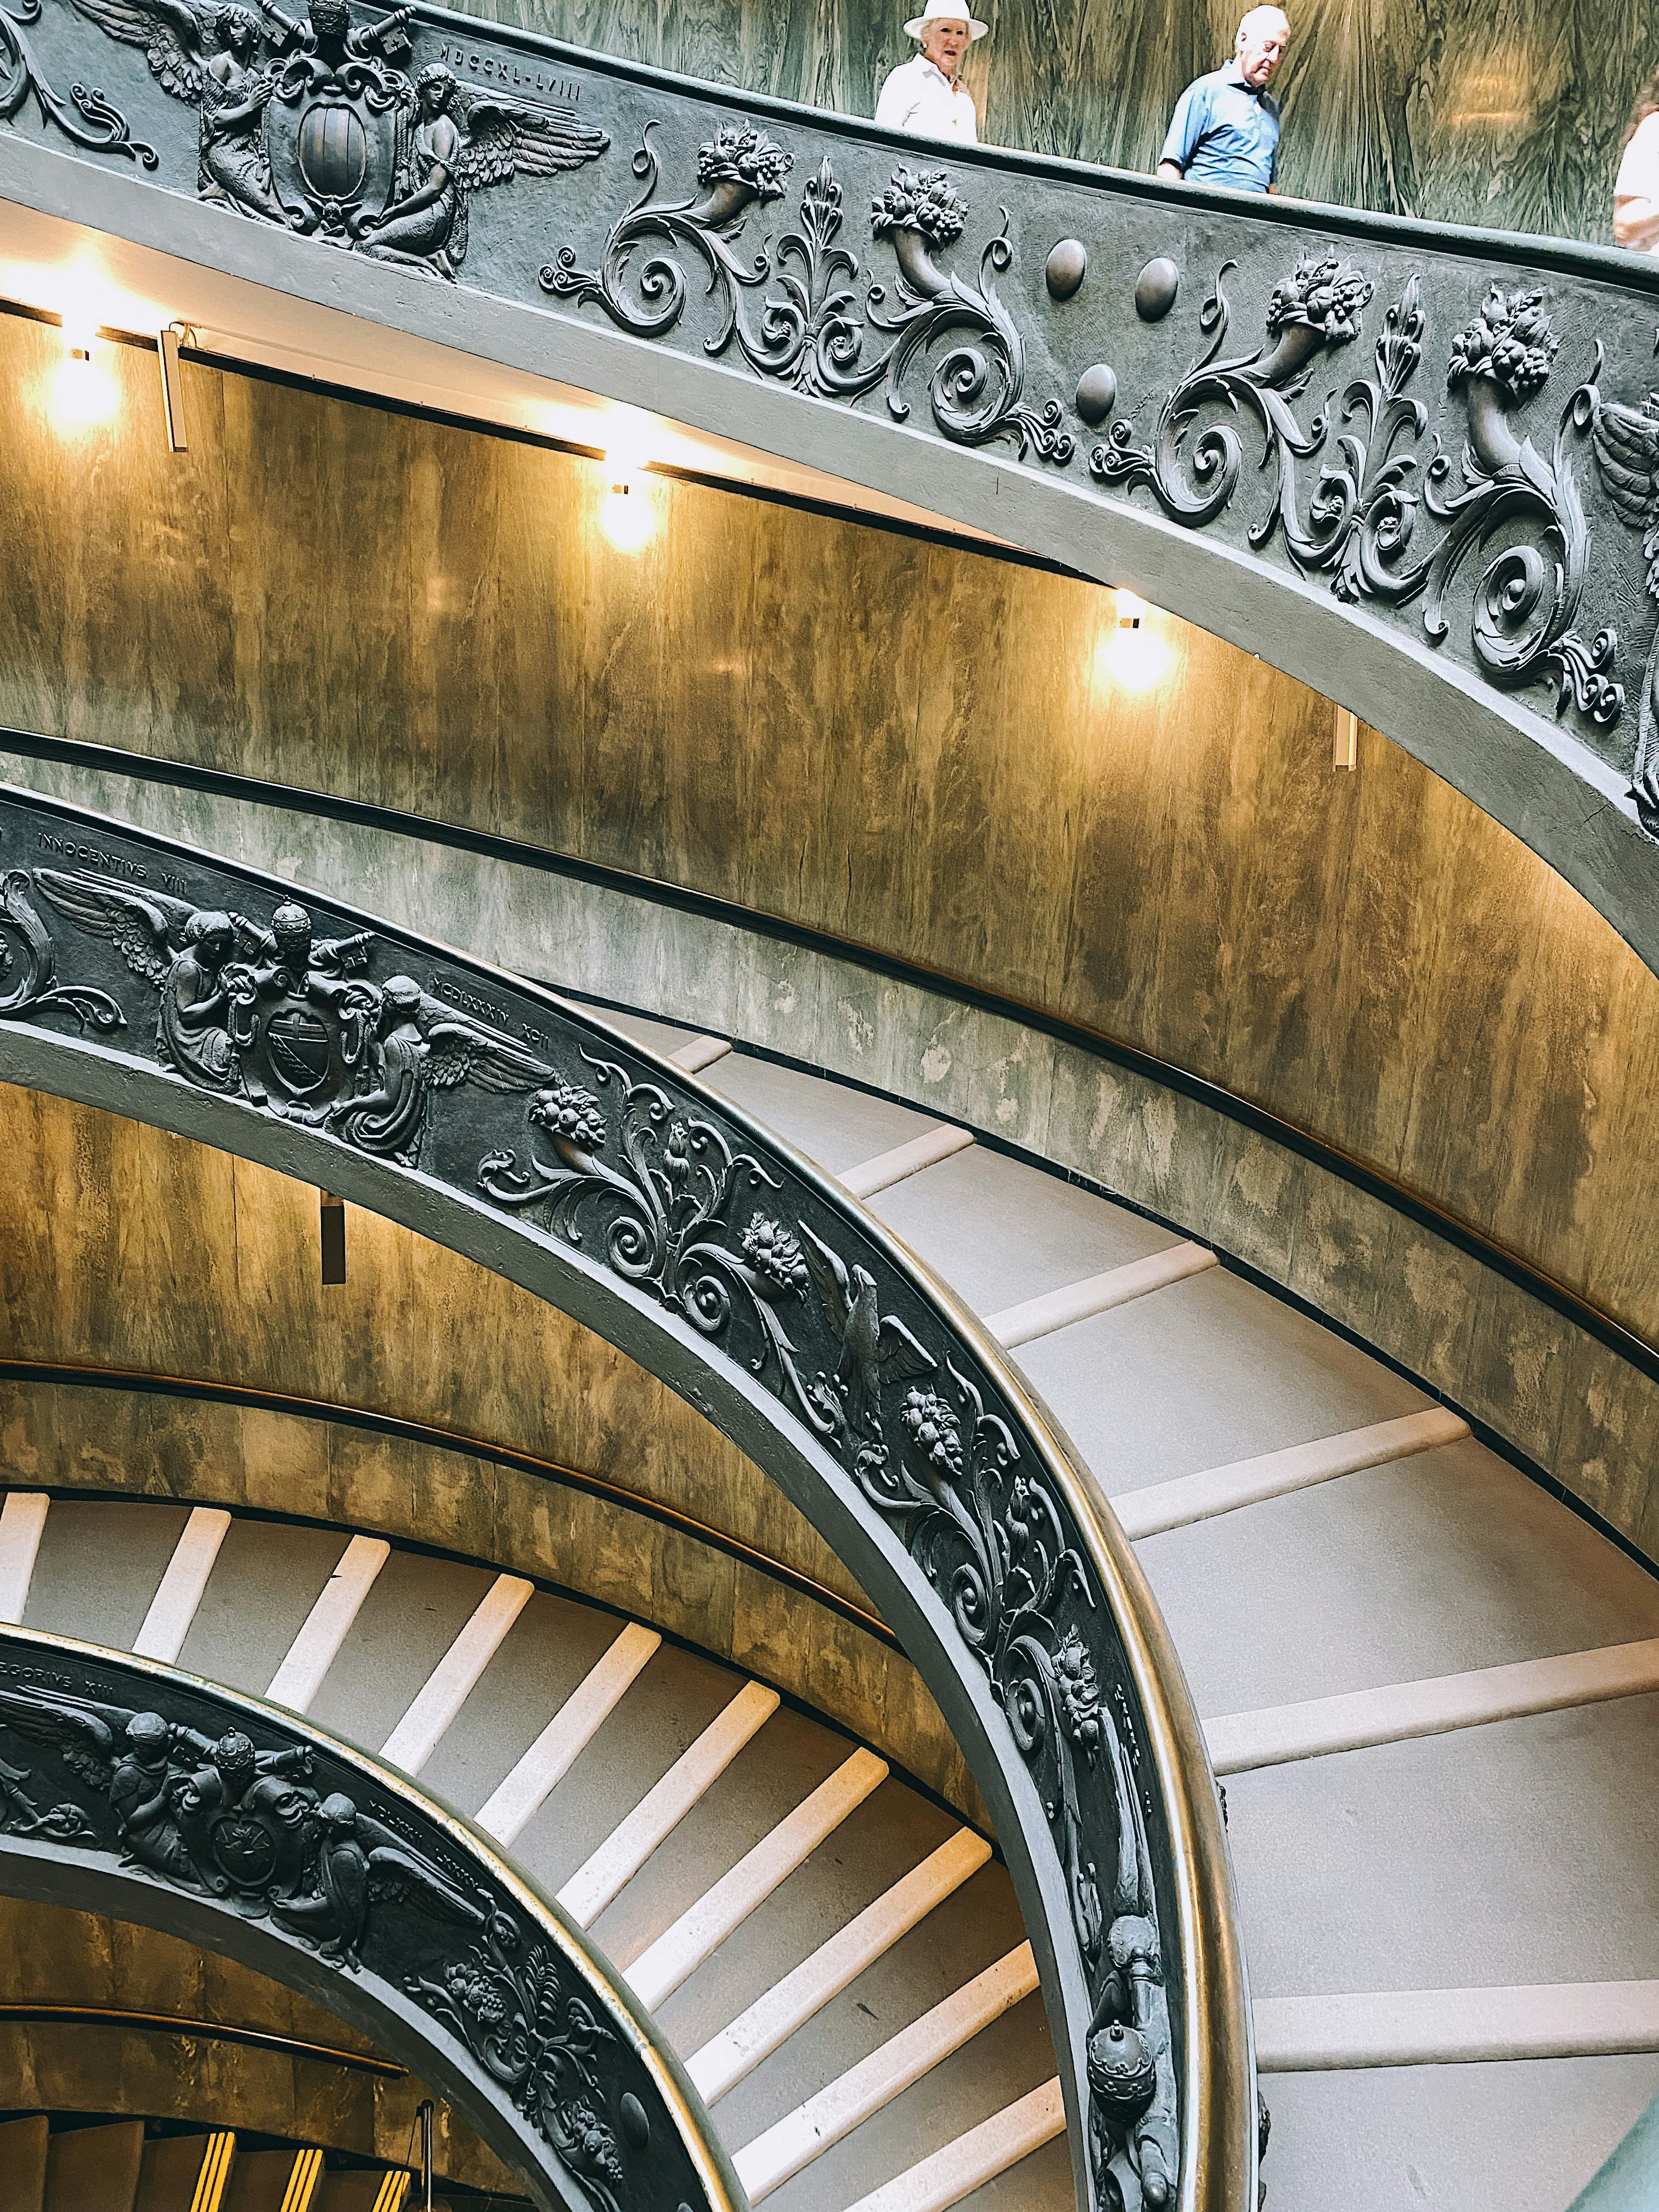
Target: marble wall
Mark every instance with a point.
(1505, 114)
(912, 746)
(56, 1956)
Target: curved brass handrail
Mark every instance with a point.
(148, 978)
(135, 1789)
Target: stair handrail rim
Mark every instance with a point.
(580, 1951)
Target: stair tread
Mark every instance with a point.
(413, 1612)
(1204, 1372)
(547, 1652)
(264, 1582)
(833, 1124)
(677, 1694)
(1000, 1230)
(969, 1931)
(774, 1773)
(1004, 2060)
(1526, 2135)
(878, 1842)
(1520, 1852)
(1462, 1563)
(99, 1564)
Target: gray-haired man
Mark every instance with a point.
(1224, 130)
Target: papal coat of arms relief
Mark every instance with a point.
(314, 124)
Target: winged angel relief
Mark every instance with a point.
(220, 1819)
(314, 125)
(267, 1012)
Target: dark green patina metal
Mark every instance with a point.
(491, 1115)
(132, 1788)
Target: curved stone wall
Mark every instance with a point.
(58, 1957)
(945, 768)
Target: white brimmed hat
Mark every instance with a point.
(946, 12)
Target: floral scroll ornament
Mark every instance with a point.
(543, 2045)
(28, 964)
(1316, 308)
(1362, 518)
(661, 1194)
(974, 391)
(1528, 599)
(735, 169)
(808, 331)
(1626, 442)
(662, 1213)
(87, 118)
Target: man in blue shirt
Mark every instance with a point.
(1224, 130)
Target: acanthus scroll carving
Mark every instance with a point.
(87, 119)
(1361, 524)
(664, 1199)
(810, 332)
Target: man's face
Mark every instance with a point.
(1261, 43)
(944, 44)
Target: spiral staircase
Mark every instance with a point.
(1430, 1688)
(84, 2162)
(1429, 1685)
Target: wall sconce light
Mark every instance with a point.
(1345, 745)
(628, 515)
(1132, 655)
(172, 385)
(83, 393)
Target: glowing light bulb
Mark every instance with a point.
(1132, 655)
(628, 515)
(83, 394)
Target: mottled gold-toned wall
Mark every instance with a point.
(913, 746)
(54, 1956)
(1504, 113)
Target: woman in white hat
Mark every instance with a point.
(926, 95)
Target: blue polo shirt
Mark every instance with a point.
(1224, 132)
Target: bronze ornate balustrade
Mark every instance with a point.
(130, 1788)
(491, 1116)
(1418, 466)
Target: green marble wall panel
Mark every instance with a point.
(1506, 113)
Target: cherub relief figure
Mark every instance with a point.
(424, 1045)
(325, 133)
(288, 1019)
(209, 55)
(220, 1816)
(454, 141)
(179, 949)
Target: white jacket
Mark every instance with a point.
(919, 98)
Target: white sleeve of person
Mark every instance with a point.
(1639, 172)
